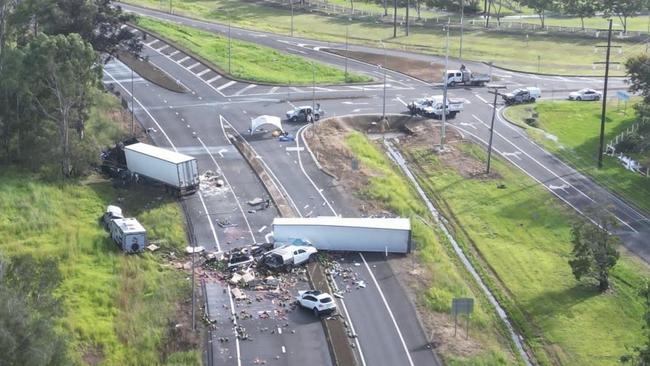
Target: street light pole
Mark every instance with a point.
(394, 18)
(229, 44)
(495, 90)
(462, 28)
(445, 80)
(132, 106)
(347, 34)
(383, 109)
(602, 117)
(291, 2)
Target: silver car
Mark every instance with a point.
(585, 94)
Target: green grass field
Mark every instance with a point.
(510, 50)
(638, 23)
(576, 129)
(392, 190)
(250, 61)
(522, 234)
(117, 307)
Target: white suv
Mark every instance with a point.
(316, 301)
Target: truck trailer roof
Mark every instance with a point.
(364, 222)
(160, 153)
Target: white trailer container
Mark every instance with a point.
(173, 169)
(346, 234)
(128, 234)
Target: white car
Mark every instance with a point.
(316, 301)
(287, 256)
(585, 94)
(302, 113)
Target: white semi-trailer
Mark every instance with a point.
(346, 234)
(178, 171)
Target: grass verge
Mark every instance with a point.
(532, 52)
(521, 238)
(447, 279)
(250, 61)
(571, 130)
(118, 309)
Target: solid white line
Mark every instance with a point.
(224, 86)
(183, 59)
(214, 233)
(193, 66)
(320, 191)
(213, 79)
(144, 109)
(250, 230)
(401, 101)
(233, 314)
(203, 72)
(392, 317)
(246, 88)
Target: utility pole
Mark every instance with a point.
(132, 106)
(604, 110)
(462, 28)
(313, 86)
(291, 2)
(229, 44)
(395, 19)
(170, 6)
(495, 90)
(445, 80)
(347, 34)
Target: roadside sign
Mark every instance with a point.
(462, 305)
(623, 95)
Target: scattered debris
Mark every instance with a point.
(152, 247)
(191, 249)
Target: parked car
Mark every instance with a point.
(304, 113)
(585, 94)
(316, 301)
(287, 256)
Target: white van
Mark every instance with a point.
(535, 93)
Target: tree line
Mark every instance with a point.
(583, 9)
(51, 57)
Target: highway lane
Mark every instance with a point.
(306, 344)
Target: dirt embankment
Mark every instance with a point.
(150, 72)
(327, 140)
(430, 72)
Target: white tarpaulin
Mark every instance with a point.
(262, 120)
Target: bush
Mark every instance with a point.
(531, 121)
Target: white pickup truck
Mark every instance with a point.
(432, 107)
(465, 76)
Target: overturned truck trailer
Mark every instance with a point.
(346, 234)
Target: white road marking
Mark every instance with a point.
(294, 148)
(262, 229)
(273, 90)
(243, 90)
(183, 60)
(562, 187)
(174, 53)
(353, 103)
(214, 233)
(162, 48)
(392, 317)
(401, 101)
(481, 99)
(515, 154)
(224, 86)
(468, 124)
(234, 320)
(213, 79)
(220, 152)
(150, 43)
(203, 72)
(284, 350)
(193, 66)
(295, 89)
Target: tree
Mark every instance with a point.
(64, 70)
(27, 313)
(638, 72)
(623, 9)
(580, 8)
(539, 6)
(641, 354)
(594, 250)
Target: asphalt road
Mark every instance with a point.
(386, 323)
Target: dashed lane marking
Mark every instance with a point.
(224, 86)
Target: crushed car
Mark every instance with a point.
(287, 256)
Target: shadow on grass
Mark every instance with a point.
(134, 199)
(560, 303)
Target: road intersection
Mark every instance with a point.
(384, 320)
